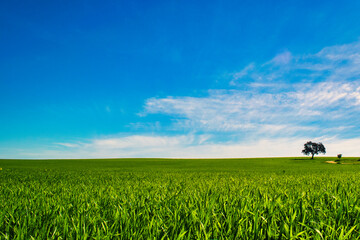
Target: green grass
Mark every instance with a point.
(271, 198)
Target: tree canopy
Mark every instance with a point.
(313, 148)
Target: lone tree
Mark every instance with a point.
(313, 148)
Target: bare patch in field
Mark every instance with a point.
(333, 162)
(346, 163)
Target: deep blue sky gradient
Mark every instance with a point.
(82, 69)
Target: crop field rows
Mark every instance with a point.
(280, 198)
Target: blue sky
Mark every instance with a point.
(178, 78)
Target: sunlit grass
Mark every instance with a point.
(282, 198)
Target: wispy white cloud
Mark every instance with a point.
(282, 58)
(139, 141)
(242, 73)
(189, 146)
(334, 63)
(70, 145)
(310, 95)
(285, 112)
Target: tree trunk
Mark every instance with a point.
(312, 156)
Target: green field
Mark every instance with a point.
(271, 198)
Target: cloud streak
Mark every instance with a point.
(187, 146)
(306, 95)
(290, 112)
(334, 63)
